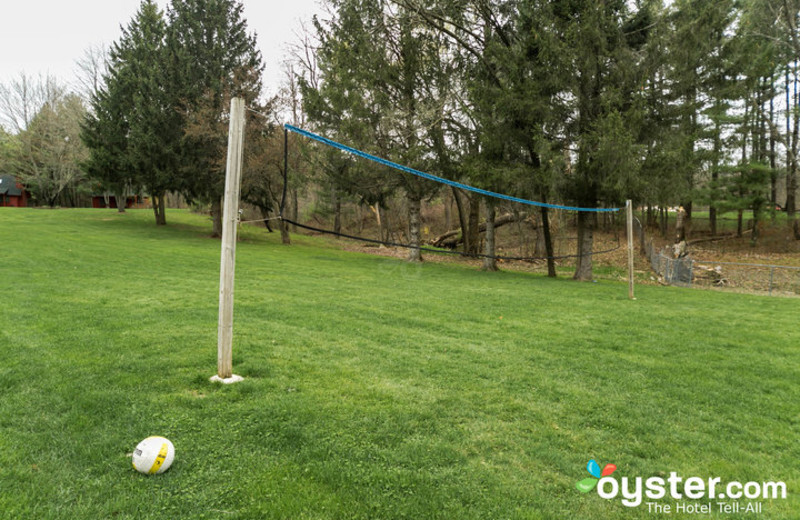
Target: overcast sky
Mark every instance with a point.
(48, 36)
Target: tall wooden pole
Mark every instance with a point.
(285, 167)
(230, 219)
(629, 213)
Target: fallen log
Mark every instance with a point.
(716, 238)
(453, 238)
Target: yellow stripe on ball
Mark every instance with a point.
(162, 455)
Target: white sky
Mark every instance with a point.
(48, 36)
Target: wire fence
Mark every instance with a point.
(674, 267)
(774, 280)
(673, 271)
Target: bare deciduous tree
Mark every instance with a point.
(91, 69)
(50, 150)
(24, 97)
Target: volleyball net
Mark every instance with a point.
(334, 176)
(360, 196)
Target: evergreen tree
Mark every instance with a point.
(705, 65)
(511, 87)
(374, 66)
(212, 58)
(507, 118)
(597, 52)
(105, 133)
(773, 27)
(340, 106)
(408, 59)
(131, 129)
(757, 172)
(155, 130)
(660, 181)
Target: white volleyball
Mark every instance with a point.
(153, 455)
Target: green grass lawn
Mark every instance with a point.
(374, 389)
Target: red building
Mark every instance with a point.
(12, 193)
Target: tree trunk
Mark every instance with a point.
(216, 218)
(162, 206)
(489, 261)
(284, 227)
(539, 247)
(383, 233)
(337, 211)
(791, 154)
(712, 220)
(159, 205)
(680, 225)
(448, 210)
(266, 217)
(791, 197)
(712, 210)
(295, 208)
(453, 238)
(754, 236)
(740, 216)
(162, 203)
(462, 219)
(740, 224)
(414, 211)
(473, 223)
(583, 269)
(773, 164)
(687, 220)
(548, 242)
(122, 201)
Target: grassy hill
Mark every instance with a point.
(373, 388)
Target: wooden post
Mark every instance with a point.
(230, 219)
(285, 170)
(629, 212)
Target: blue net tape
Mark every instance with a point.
(434, 178)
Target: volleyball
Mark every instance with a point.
(153, 455)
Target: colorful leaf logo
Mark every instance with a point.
(588, 484)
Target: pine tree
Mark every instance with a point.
(505, 120)
(339, 105)
(775, 25)
(154, 126)
(131, 130)
(212, 58)
(598, 44)
(105, 133)
(511, 87)
(706, 62)
(374, 67)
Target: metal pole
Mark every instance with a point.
(230, 217)
(629, 212)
